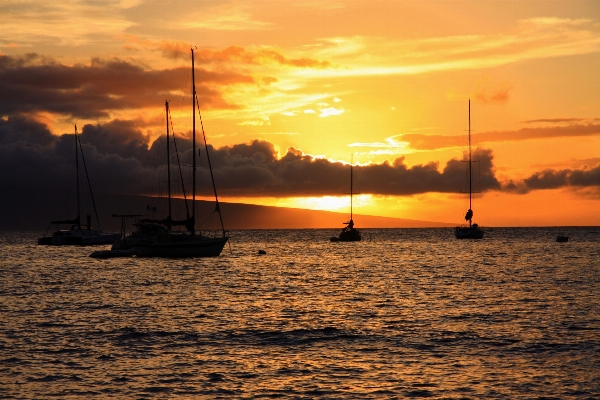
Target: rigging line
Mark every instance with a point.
(218, 208)
(181, 99)
(187, 209)
(88, 180)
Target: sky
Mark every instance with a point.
(293, 92)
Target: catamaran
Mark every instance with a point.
(78, 234)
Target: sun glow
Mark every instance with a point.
(322, 203)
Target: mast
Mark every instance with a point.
(193, 145)
(87, 177)
(470, 187)
(168, 161)
(77, 177)
(351, 161)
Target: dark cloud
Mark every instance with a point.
(30, 156)
(254, 169)
(119, 137)
(120, 160)
(33, 83)
(587, 177)
(20, 129)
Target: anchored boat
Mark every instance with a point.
(473, 231)
(78, 234)
(349, 233)
(155, 237)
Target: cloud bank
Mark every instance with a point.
(120, 160)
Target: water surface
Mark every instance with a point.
(406, 313)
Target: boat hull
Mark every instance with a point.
(202, 247)
(347, 236)
(468, 233)
(77, 237)
(170, 246)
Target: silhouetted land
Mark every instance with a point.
(26, 209)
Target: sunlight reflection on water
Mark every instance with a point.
(405, 313)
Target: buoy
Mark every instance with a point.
(262, 252)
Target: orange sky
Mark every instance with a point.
(379, 81)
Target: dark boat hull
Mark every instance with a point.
(167, 245)
(201, 247)
(78, 238)
(347, 236)
(468, 233)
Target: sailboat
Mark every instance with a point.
(78, 234)
(349, 233)
(472, 231)
(155, 237)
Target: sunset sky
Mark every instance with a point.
(291, 91)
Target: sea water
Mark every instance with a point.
(406, 313)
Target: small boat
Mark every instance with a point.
(473, 231)
(155, 237)
(78, 234)
(349, 233)
(562, 239)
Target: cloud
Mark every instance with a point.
(263, 55)
(222, 16)
(34, 83)
(419, 141)
(489, 92)
(120, 160)
(52, 23)
(329, 111)
(529, 39)
(117, 137)
(559, 120)
(586, 177)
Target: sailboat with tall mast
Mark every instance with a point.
(78, 234)
(349, 233)
(155, 237)
(472, 231)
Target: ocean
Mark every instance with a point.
(406, 313)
